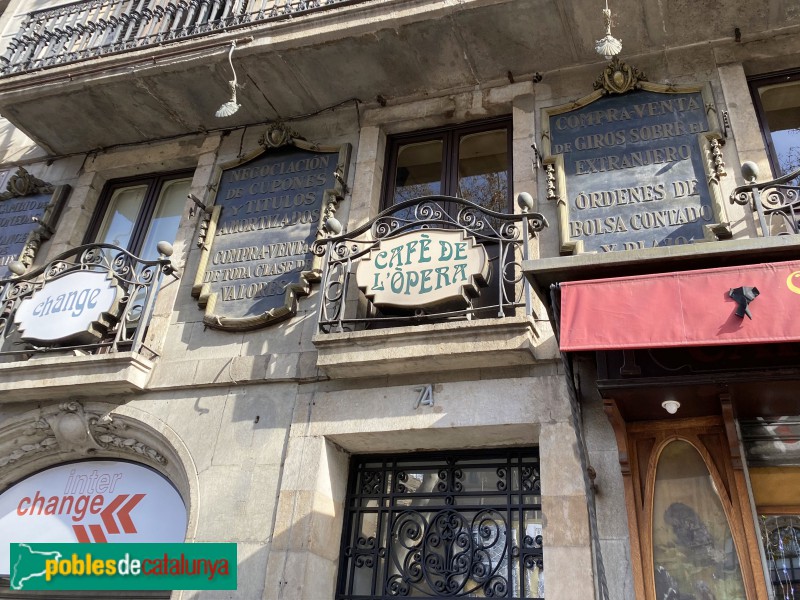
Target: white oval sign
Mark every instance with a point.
(91, 502)
(68, 308)
(424, 268)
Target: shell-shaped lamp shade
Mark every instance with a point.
(227, 109)
(608, 47)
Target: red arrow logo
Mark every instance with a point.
(124, 513)
(118, 506)
(108, 513)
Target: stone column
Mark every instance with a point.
(303, 560)
(567, 549)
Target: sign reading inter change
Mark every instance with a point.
(91, 502)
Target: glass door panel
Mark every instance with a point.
(166, 217)
(483, 169)
(693, 549)
(120, 218)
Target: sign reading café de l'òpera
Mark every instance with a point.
(424, 268)
(256, 259)
(635, 165)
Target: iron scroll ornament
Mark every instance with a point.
(509, 233)
(446, 525)
(138, 279)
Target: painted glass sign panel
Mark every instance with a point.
(267, 215)
(634, 170)
(91, 502)
(424, 268)
(694, 555)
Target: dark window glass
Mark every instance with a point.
(137, 214)
(777, 99)
(465, 524)
(468, 161)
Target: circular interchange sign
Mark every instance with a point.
(91, 502)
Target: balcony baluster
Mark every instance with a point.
(91, 28)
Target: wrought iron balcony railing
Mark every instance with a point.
(777, 202)
(133, 284)
(505, 238)
(88, 29)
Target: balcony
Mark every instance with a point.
(77, 325)
(775, 202)
(72, 71)
(429, 285)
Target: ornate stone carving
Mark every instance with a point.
(619, 77)
(23, 183)
(203, 231)
(115, 435)
(278, 134)
(71, 428)
(716, 158)
(39, 428)
(550, 171)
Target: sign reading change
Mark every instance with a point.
(267, 215)
(632, 171)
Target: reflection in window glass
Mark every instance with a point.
(123, 210)
(483, 169)
(419, 171)
(693, 550)
(781, 537)
(781, 106)
(469, 161)
(167, 216)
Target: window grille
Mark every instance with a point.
(466, 524)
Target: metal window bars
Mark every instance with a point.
(776, 202)
(506, 236)
(454, 525)
(88, 29)
(138, 280)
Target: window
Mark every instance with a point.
(443, 525)
(777, 100)
(780, 535)
(693, 547)
(472, 162)
(772, 446)
(137, 214)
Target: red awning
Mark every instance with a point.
(691, 308)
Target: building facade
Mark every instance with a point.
(376, 290)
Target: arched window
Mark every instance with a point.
(694, 554)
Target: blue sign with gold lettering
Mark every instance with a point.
(634, 169)
(267, 216)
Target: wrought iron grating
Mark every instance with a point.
(460, 524)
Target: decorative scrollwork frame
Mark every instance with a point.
(619, 78)
(276, 136)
